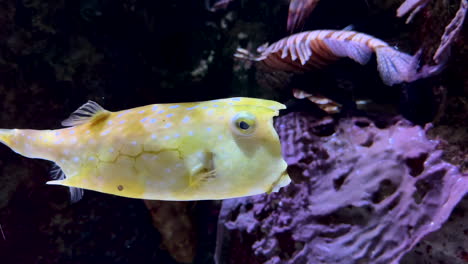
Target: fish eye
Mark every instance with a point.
(244, 123)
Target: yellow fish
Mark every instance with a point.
(189, 151)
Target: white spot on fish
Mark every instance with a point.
(109, 122)
(161, 111)
(210, 112)
(168, 125)
(167, 137)
(57, 133)
(176, 135)
(92, 141)
(153, 120)
(143, 119)
(120, 115)
(141, 111)
(190, 133)
(153, 136)
(220, 137)
(204, 107)
(168, 170)
(74, 140)
(91, 158)
(105, 132)
(178, 165)
(154, 108)
(193, 107)
(122, 121)
(186, 119)
(174, 106)
(209, 129)
(235, 99)
(28, 137)
(230, 103)
(215, 105)
(66, 152)
(134, 143)
(172, 181)
(111, 150)
(59, 141)
(169, 115)
(72, 132)
(76, 159)
(87, 132)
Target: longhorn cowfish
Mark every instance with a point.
(189, 151)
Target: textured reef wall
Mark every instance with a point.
(365, 192)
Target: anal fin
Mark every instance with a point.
(58, 177)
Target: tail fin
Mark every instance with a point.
(395, 66)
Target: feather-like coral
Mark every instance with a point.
(299, 10)
(316, 49)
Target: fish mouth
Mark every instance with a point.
(282, 181)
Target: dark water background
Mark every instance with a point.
(56, 55)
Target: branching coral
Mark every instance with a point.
(299, 10)
(363, 194)
(411, 5)
(451, 33)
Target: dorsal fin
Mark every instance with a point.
(84, 114)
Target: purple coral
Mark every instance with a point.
(363, 194)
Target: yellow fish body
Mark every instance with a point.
(189, 151)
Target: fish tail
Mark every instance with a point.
(25, 142)
(6, 136)
(395, 66)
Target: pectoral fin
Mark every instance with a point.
(202, 168)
